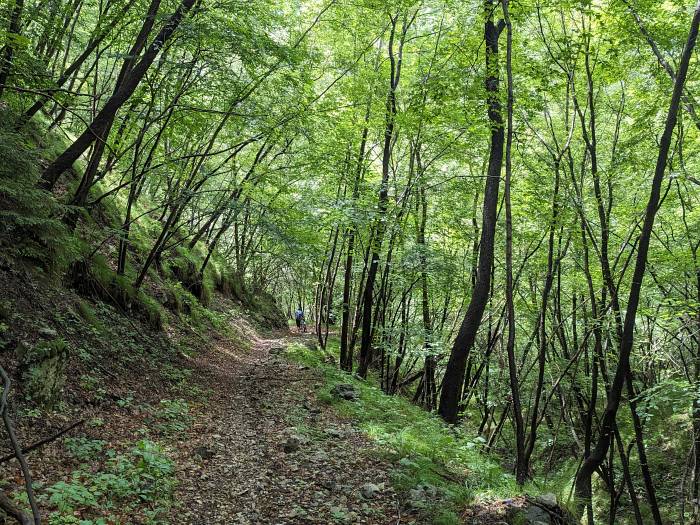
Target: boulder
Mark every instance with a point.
(308, 405)
(422, 495)
(530, 514)
(369, 490)
(345, 391)
(539, 510)
(330, 485)
(535, 515)
(548, 500)
(204, 452)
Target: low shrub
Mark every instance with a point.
(173, 416)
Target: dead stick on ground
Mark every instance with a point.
(13, 512)
(44, 441)
(18, 450)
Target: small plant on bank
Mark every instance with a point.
(93, 385)
(138, 483)
(173, 416)
(83, 448)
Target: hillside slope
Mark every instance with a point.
(118, 384)
(218, 422)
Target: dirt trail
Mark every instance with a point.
(246, 477)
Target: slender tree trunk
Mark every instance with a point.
(590, 138)
(429, 387)
(383, 200)
(8, 52)
(81, 193)
(624, 461)
(454, 373)
(327, 291)
(126, 229)
(521, 470)
(106, 115)
(597, 456)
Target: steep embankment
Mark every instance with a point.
(78, 361)
(206, 423)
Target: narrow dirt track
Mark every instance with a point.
(259, 399)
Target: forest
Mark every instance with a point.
(448, 250)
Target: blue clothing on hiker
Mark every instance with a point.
(299, 314)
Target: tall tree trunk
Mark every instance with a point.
(604, 209)
(81, 193)
(521, 470)
(345, 354)
(8, 51)
(429, 387)
(383, 200)
(597, 456)
(454, 373)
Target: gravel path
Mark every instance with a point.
(233, 465)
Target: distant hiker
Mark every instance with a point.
(299, 317)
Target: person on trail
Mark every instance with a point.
(299, 317)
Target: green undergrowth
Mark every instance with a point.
(77, 333)
(118, 483)
(31, 231)
(109, 487)
(426, 452)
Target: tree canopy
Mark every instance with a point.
(491, 208)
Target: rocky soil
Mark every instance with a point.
(262, 450)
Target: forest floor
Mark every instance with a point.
(263, 450)
(220, 425)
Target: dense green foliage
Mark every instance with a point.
(285, 151)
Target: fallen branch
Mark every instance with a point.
(18, 450)
(13, 512)
(44, 441)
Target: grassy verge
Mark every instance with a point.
(440, 469)
(439, 466)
